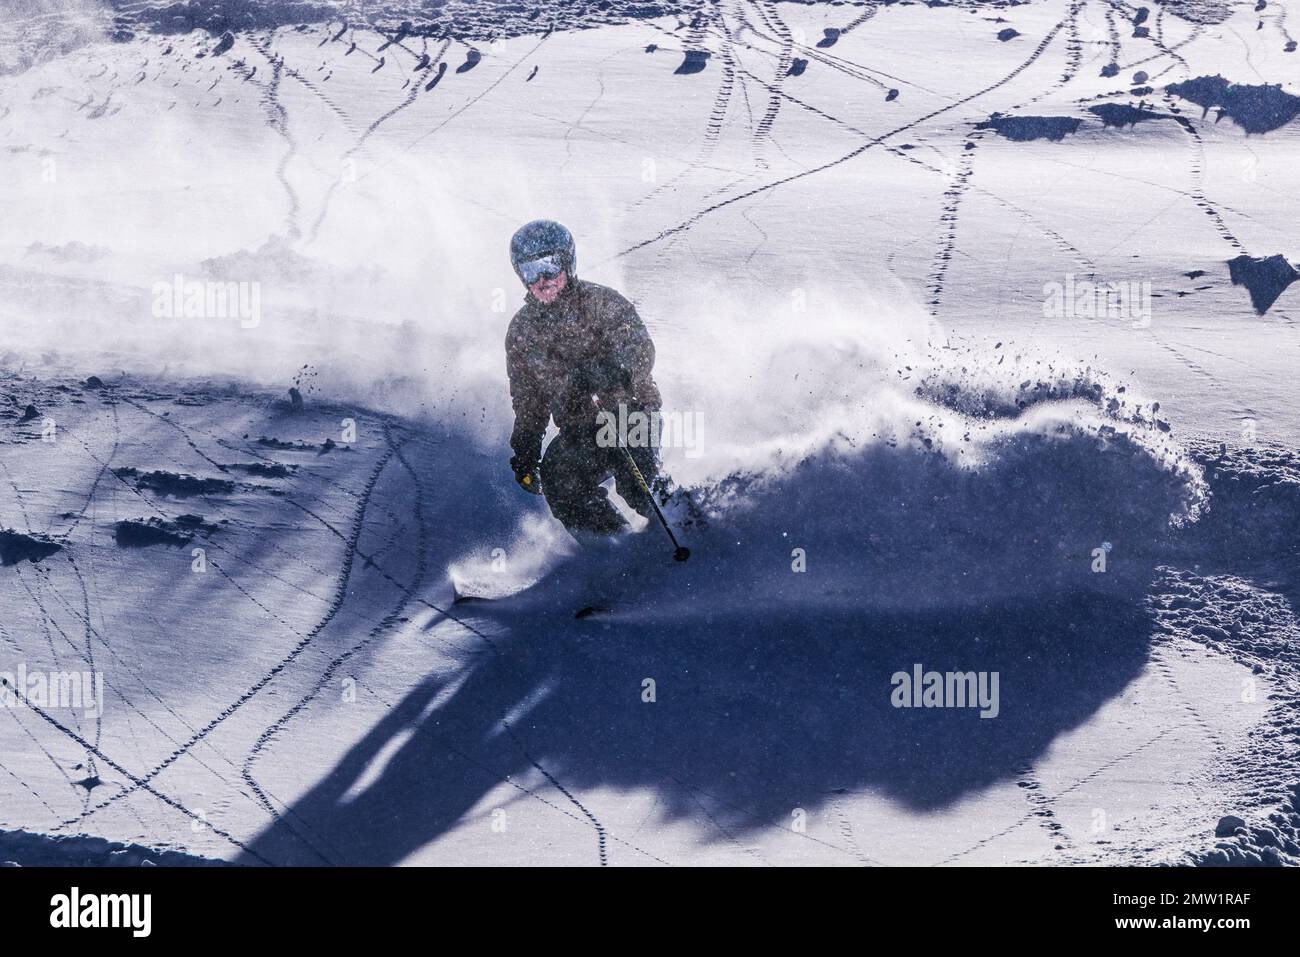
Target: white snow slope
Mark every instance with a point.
(841, 224)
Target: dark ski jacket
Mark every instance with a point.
(590, 340)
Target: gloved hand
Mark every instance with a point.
(526, 474)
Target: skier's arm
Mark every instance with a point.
(532, 410)
(633, 353)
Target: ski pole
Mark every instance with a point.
(680, 552)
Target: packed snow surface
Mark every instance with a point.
(872, 243)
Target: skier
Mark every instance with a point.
(576, 349)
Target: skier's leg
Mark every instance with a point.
(647, 460)
(572, 470)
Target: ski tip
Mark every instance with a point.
(681, 554)
(589, 611)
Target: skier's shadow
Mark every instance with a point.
(753, 725)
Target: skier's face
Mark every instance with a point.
(546, 291)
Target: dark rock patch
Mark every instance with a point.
(16, 547)
(1025, 128)
(400, 19)
(1266, 278)
(1255, 108)
(1122, 114)
(471, 60)
(177, 486)
(264, 469)
(695, 62)
(271, 443)
(27, 849)
(141, 533)
(831, 36)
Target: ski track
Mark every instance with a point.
(845, 827)
(722, 102)
(410, 593)
(340, 596)
(952, 198)
(278, 120)
(700, 214)
(1183, 360)
(1044, 801)
(338, 111)
(265, 799)
(1163, 50)
(1197, 166)
(505, 778)
(122, 665)
(726, 832)
(383, 626)
(1073, 45)
(1162, 666)
(179, 428)
(209, 543)
(859, 20)
(768, 13)
(94, 486)
(92, 749)
(137, 782)
(956, 192)
(434, 62)
(1279, 21)
(763, 131)
(73, 787)
(83, 652)
(89, 655)
(1042, 808)
(1060, 241)
(1112, 32)
(474, 100)
(713, 125)
(28, 788)
(91, 632)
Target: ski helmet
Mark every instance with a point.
(541, 249)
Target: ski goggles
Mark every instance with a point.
(547, 267)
